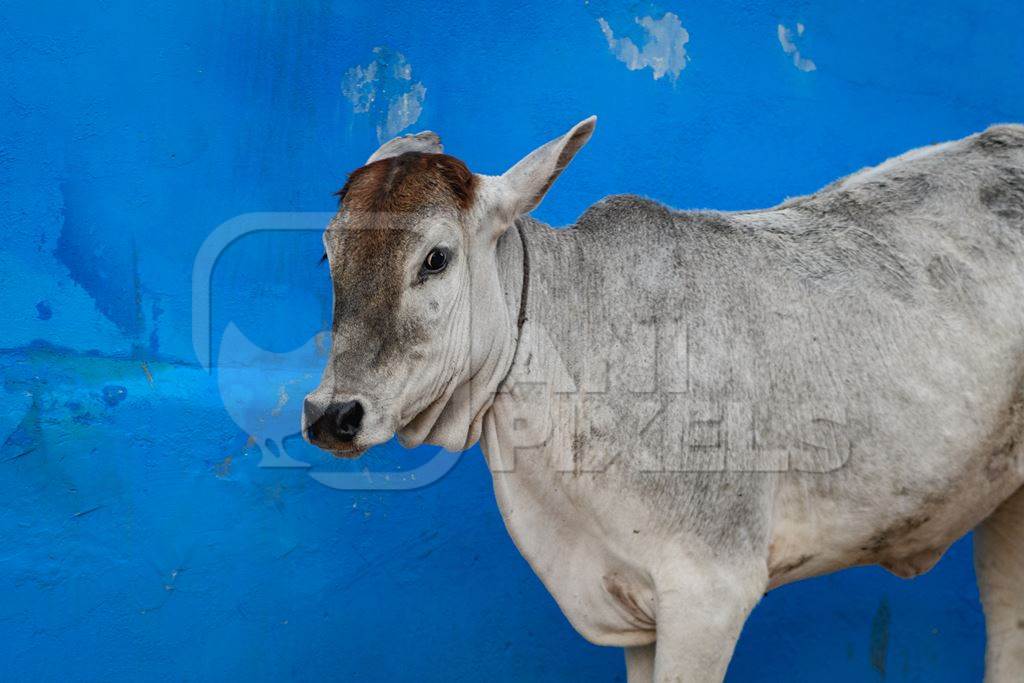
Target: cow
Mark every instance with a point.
(682, 410)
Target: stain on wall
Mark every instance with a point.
(879, 639)
(146, 533)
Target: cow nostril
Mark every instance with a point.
(340, 422)
(348, 417)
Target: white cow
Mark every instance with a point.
(682, 410)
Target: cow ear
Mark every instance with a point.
(526, 183)
(427, 141)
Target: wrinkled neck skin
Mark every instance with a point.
(454, 421)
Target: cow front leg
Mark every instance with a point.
(640, 664)
(699, 622)
(999, 564)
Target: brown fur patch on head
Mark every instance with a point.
(381, 204)
(409, 182)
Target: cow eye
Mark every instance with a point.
(436, 261)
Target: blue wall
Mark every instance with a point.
(139, 536)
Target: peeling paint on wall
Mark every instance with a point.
(384, 89)
(663, 50)
(787, 39)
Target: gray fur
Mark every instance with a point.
(893, 301)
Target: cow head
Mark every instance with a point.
(422, 332)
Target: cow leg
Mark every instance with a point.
(699, 622)
(999, 564)
(640, 664)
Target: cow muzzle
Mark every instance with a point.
(335, 425)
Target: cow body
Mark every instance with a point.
(683, 410)
(833, 382)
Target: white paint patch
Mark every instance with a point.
(787, 39)
(403, 111)
(360, 87)
(663, 51)
(384, 88)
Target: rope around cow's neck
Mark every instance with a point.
(523, 293)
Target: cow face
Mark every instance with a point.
(419, 310)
